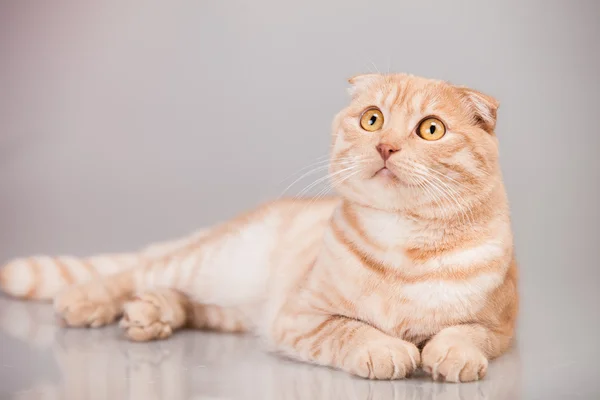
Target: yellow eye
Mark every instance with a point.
(372, 119)
(431, 129)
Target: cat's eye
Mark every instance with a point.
(431, 129)
(372, 119)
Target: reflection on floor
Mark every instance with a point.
(39, 360)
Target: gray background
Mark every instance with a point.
(127, 122)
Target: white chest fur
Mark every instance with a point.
(402, 298)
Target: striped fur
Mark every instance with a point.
(407, 268)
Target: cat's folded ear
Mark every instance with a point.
(483, 107)
(360, 82)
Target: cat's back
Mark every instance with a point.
(301, 222)
(287, 233)
(289, 217)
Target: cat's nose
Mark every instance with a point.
(386, 150)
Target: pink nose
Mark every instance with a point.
(385, 150)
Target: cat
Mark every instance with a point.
(410, 265)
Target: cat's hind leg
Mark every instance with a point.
(228, 265)
(157, 313)
(95, 303)
(100, 301)
(216, 318)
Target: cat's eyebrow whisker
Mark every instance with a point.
(375, 66)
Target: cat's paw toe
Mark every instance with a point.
(389, 359)
(454, 360)
(88, 305)
(142, 320)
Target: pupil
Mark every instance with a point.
(372, 119)
(432, 129)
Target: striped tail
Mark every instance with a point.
(43, 277)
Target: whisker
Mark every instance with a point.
(441, 187)
(435, 198)
(375, 66)
(315, 168)
(450, 196)
(430, 194)
(312, 171)
(330, 187)
(458, 196)
(441, 175)
(328, 176)
(455, 194)
(317, 161)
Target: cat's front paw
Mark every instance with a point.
(89, 304)
(388, 358)
(454, 360)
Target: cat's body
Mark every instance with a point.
(418, 253)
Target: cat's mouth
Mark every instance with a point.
(385, 173)
(389, 176)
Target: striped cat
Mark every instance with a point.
(412, 265)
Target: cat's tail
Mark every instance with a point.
(43, 277)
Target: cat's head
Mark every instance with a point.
(406, 142)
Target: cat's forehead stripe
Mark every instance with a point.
(404, 93)
(391, 97)
(413, 97)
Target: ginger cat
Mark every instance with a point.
(413, 265)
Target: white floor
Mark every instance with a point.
(39, 360)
